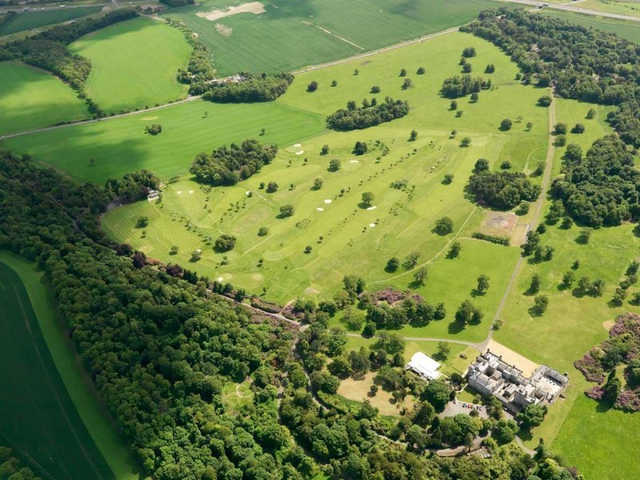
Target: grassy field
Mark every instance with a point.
(120, 145)
(625, 29)
(134, 64)
(32, 98)
(571, 326)
(289, 35)
(30, 20)
(344, 237)
(630, 8)
(63, 364)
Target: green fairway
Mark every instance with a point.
(39, 419)
(134, 64)
(344, 237)
(78, 386)
(289, 35)
(29, 20)
(32, 98)
(120, 146)
(625, 29)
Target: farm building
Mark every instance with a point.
(491, 375)
(424, 366)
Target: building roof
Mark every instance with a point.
(424, 365)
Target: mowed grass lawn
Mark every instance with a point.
(31, 98)
(58, 359)
(344, 237)
(289, 35)
(134, 64)
(30, 20)
(39, 420)
(120, 146)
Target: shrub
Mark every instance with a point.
(505, 125)
(544, 101)
(263, 231)
(224, 243)
(153, 129)
(420, 71)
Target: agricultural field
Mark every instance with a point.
(630, 8)
(341, 233)
(40, 421)
(280, 35)
(31, 20)
(629, 30)
(31, 98)
(120, 146)
(78, 386)
(134, 64)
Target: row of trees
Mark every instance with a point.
(229, 164)
(249, 87)
(368, 115)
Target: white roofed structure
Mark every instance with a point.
(424, 366)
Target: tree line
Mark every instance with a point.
(249, 87)
(368, 115)
(229, 165)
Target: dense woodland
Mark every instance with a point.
(12, 468)
(249, 88)
(602, 187)
(160, 348)
(369, 114)
(581, 63)
(229, 165)
(501, 190)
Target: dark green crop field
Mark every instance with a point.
(39, 421)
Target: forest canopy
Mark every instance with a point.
(228, 165)
(368, 115)
(249, 87)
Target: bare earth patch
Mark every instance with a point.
(513, 358)
(608, 324)
(224, 30)
(499, 223)
(251, 7)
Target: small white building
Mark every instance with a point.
(424, 366)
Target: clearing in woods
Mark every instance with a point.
(134, 64)
(32, 98)
(343, 237)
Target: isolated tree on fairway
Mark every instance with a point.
(312, 87)
(465, 142)
(286, 211)
(505, 125)
(481, 165)
(454, 251)
(317, 184)
(224, 243)
(420, 71)
(375, 89)
(272, 187)
(360, 148)
(469, 52)
(392, 264)
(483, 285)
(324, 150)
(334, 165)
(540, 304)
(367, 199)
(444, 226)
(403, 72)
(534, 287)
(420, 276)
(413, 136)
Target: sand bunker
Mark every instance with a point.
(608, 324)
(372, 208)
(190, 192)
(179, 192)
(300, 152)
(298, 145)
(327, 201)
(372, 225)
(224, 30)
(320, 209)
(354, 161)
(251, 7)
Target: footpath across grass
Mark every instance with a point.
(134, 64)
(32, 98)
(50, 414)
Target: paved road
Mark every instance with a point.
(569, 7)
